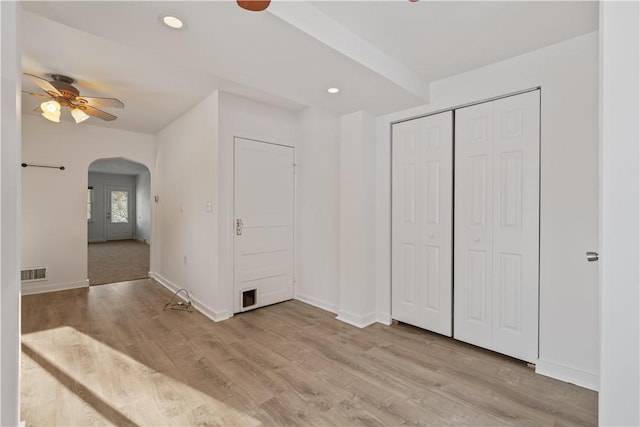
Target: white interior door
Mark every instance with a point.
(263, 206)
(422, 178)
(496, 225)
(119, 212)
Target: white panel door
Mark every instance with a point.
(496, 225)
(422, 178)
(120, 217)
(263, 229)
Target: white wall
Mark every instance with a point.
(357, 219)
(143, 207)
(9, 215)
(568, 75)
(195, 155)
(318, 209)
(96, 229)
(54, 222)
(186, 234)
(619, 397)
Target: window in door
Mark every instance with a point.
(119, 207)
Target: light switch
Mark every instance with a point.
(209, 206)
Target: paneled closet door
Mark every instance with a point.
(496, 225)
(422, 178)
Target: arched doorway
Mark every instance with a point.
(118, 221)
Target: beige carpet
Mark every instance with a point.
(118, 261)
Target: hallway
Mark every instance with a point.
(117, 261)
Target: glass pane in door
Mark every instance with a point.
(119, 207)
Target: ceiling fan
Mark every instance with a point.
(61, 93)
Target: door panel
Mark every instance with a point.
(263, 202)
(516, 225)
(421, 222)
(473, 269)
(119, 205)
(496, 231)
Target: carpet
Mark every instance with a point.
(117, 261)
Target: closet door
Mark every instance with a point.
(422, 222)
(496, 231)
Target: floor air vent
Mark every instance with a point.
(33, 274)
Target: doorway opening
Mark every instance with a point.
(118, 221)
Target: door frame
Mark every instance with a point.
(232, 218)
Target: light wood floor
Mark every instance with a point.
(110, 355)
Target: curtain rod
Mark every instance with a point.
(24, 165)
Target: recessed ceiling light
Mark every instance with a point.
(333, 90)
(172, 22)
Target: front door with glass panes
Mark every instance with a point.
(119, 216)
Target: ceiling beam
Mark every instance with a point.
(325, 29)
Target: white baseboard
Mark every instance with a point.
(356, 320)
(317, 303)
(214, 315)
(384, 318)
(568, 374)
(31, 288)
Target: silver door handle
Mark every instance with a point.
(592, 256)
(238, 227)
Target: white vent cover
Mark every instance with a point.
(33, 274)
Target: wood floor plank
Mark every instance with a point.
(110, 355)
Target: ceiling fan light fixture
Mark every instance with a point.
(172, 22)
(78, 115)
(50, 107)
(54, 117)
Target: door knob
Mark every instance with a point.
(592, 256)
(238, 227)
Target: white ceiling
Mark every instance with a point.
(382, 54)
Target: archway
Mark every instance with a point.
(118, 221)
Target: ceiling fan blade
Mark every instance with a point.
(39, 95)
(44, 85)
(99, 102)
(97, 113)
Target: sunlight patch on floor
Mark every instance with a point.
(80, 378)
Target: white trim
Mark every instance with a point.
(384, 318)
(31, 288)
(568, 374)
(317, 303)
(355, 320)
(216, 316)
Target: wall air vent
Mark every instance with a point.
(33, 274)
